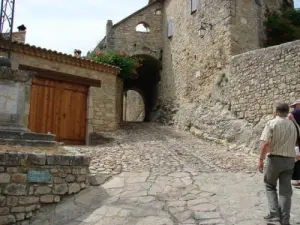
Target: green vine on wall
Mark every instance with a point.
(128, 64)
(282, 26)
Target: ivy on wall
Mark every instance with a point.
(128, 64)
(282, 26)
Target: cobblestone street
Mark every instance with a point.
(158, 176)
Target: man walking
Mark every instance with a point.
(295, 114)
(279, 139)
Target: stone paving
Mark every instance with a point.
(157, 176)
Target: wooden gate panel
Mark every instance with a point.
(42, 106)
(73, 126)
(60, 108)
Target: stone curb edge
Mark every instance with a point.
(23, 159)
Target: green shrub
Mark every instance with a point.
(128, 64)
(282, 26)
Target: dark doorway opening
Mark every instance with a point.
(146, 84)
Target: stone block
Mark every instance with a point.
(20, 216)
(12, 169)
(76, 161)
(4, 178)
(60, 189)
(15, 189)
(2, 201)
(16, 158)
(81, 178)
(56, 199)
(12, 201)
(57, 180)
(4, 211)
(9, 219)
(28, 215)
(78, 171)
(37, 159)
(18, 209)
(70, 178)
(42, 190)
(2, 169)
(62, 160)
(74, 188)
(30, 208)
(3, 158)
(19, 178)
(86, 161)
(47, 199)
(28, 200)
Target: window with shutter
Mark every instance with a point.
(170, 28)
(194, 6)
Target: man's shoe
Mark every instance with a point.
(271, 218)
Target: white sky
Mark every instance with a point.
(64, 25)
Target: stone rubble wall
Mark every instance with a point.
(124, 36)
(19, 198)
(242, 99)
(260, 78)
(15, 87)
(192, 58)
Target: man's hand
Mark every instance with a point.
(260, 166)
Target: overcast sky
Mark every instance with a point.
(64, 25)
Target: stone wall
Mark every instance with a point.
(260, 78)
(15, 88)
(19, 36)
(29, 180)
(193, 57)
(103, 107)
(135, 109)
(242, 98)
(247, 28)
(124, 37)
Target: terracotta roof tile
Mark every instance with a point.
(60, 57)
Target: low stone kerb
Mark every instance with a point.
(19, 159)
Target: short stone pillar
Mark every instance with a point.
(15, 86)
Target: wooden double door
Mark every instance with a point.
(60, 108)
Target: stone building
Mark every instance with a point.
(187, 45)
(70, 96)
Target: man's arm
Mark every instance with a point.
(266, 139)
(264, 150)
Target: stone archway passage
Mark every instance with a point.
(134, 107)
(146, 84)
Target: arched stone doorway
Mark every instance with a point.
(146, 84)
(134, 107)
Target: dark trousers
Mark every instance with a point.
(279, 168)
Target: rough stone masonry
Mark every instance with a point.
(28, 180)
(212, 63)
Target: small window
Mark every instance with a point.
(194, 6)
(170, 28)
(142, 27)
(158, 12)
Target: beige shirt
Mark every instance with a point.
(283, 135)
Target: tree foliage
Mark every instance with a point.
(282, 26)
(128, 64)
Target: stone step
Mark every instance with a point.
(26, 135)
(24, 142)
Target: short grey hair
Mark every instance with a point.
(282, 108)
